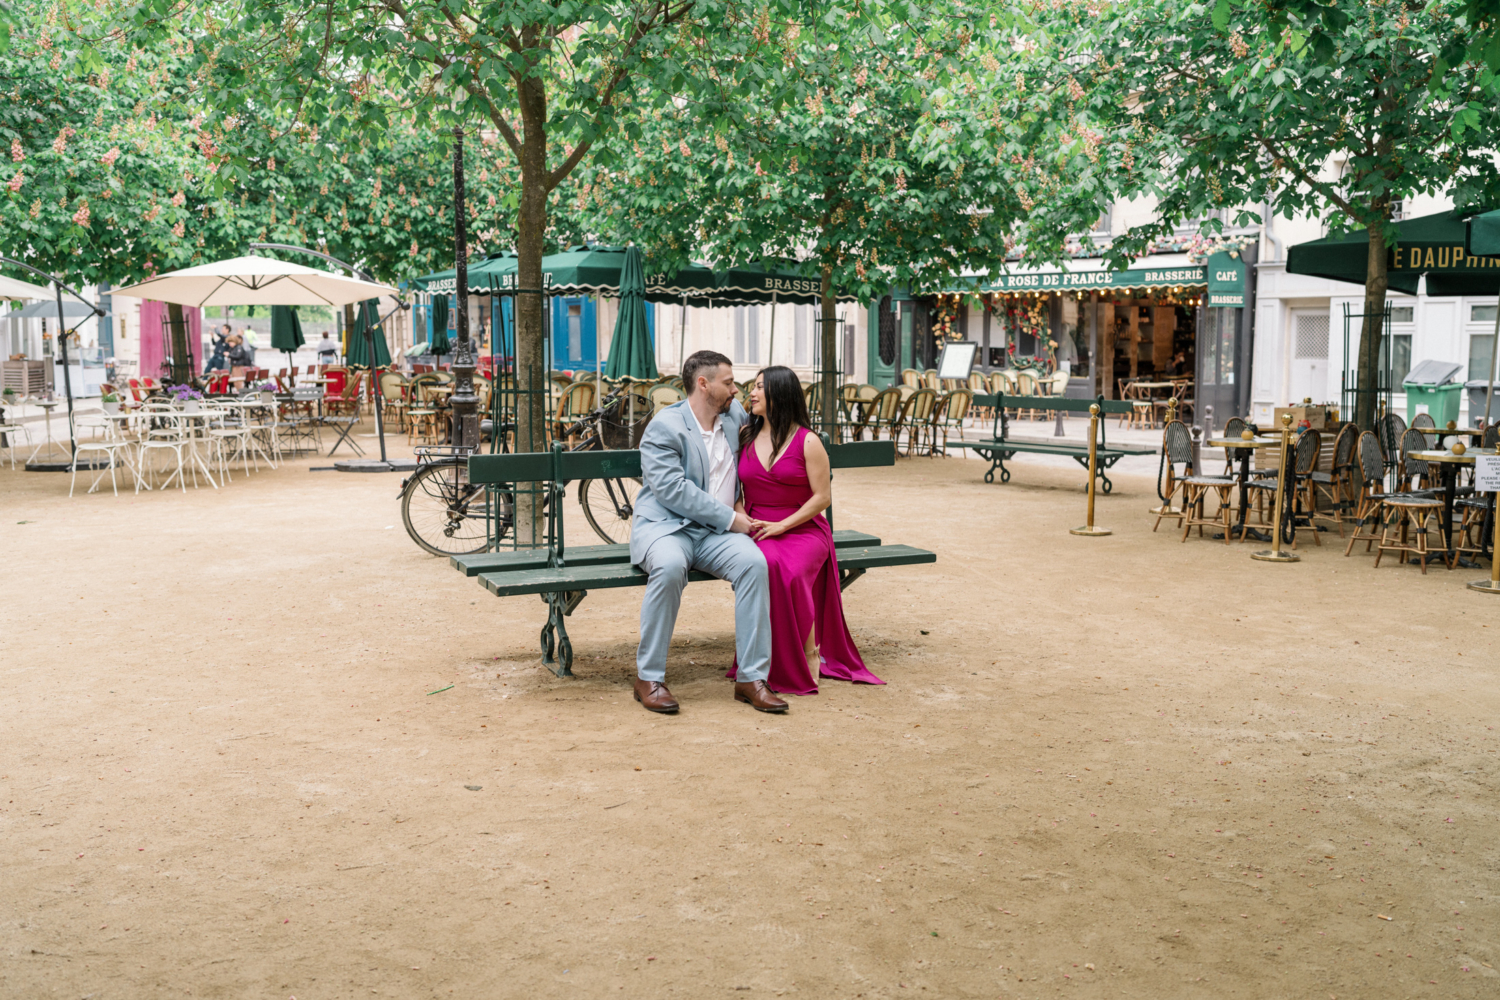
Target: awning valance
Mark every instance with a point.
(1133, 279)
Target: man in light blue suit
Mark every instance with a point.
(685, 519)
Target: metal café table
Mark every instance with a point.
(1448, 465)
(1246, 447)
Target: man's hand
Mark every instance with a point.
(741, 525)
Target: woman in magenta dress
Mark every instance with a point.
(784, 474)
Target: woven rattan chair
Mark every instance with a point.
(1389, 429)
(1423, 420)
(1177, 450)
(1337, 484)
(885, 412)
(576, 402)
(1407, 516)
(1301, 497)
(1411, 471)
(1369, 472)
(916, 418)
(911, 377)
(950, 413)
(1233, 428)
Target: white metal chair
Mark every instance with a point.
(111, 445)
(167, 431)
(10, 432)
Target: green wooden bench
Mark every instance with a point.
(1001, 445)
(563, 576)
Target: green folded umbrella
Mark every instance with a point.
(286, 329)
(367, 317)
(631, 354)
(438, 344)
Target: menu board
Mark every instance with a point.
(957, 360)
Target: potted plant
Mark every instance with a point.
(187, 397)
(111, 402)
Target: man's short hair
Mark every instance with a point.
(699, 363)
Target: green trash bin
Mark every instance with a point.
(1431, 389)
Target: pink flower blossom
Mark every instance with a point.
(178, 230)
(61, 142)
(16, 153)
(178, 199)
(109, 158)
(16, 182)
(81, 217)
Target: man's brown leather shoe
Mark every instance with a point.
(758, 696)
(655, 697)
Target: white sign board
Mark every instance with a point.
(1487, 473)
(957, 360)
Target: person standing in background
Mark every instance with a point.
(1064, 351)
(328, 350)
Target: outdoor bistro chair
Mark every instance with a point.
(917, 418)
(1301, 498)
(111, 447)
(885, 411)
(1195, 495)
(949, 414)
(1411, 516)
(1390, 429)
(1409, 468)
(1177, 450)
(911, 377)
(393, 395)
(10, 433)
(663, 396)
(1370, 512)
(169, 432)
(576, 402)
(1338, 482)
(930, 380)
(1423, 420)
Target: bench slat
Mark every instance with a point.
(1106, 406)
(593, 555)
(537, 467)
(523, 467)
(510, 583)
(1046, 447)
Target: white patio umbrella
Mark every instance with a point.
(10, 288)
(255, 281)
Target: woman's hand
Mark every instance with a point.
(761, 530)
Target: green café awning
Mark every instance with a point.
(1133, 279)
(755, 283)
(1432, 245)
(577, 271)
(1482, 234)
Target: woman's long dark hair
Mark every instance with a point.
(786, 408)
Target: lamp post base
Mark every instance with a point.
(1271, 555)
(1486, 586)
(1087, 530)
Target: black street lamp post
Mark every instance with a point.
(465, 430)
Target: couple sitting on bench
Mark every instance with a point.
(770, 542)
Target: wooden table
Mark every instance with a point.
(1247, 448)
(1448, 465)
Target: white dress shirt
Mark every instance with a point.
(723, 484)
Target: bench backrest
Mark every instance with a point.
(1001, 400)
(562, 466)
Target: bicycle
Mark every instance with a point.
(447, 515)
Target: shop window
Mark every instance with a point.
(801, 336)
(1482, 314)
(1405, 314)
(1399, 358)
(747, 335)
(887, 332)
(1481, 352)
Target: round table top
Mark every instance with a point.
(48, 404)
(1467, 458)
(1471, 431)
(1260, 442)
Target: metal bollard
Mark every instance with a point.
(1492, 585)
(1089, 528)
(1274, 553)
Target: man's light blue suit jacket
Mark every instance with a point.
(674, 472)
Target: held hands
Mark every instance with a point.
(761, 530)
(742, 525)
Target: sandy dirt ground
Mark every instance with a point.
(1112, 767)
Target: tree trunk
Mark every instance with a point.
(182, 361)
(827, 374)
(1372, 329)
(531, 377)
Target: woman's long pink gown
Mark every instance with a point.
(804, 576)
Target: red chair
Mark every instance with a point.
(218, 383)
(337, 379)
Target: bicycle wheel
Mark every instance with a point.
(443, 512)
(609, 504)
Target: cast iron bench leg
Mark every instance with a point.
(559, 606)
(1105, 461)
(848, 576)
